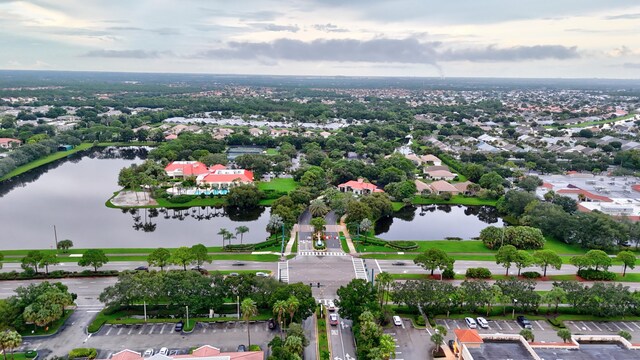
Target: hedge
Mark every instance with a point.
(58, 274)
(478, 273)
(252, 247)
(531, 274)
(180, 199)
(30, 354)
(90, 353)
(591, 274)
(402, 245)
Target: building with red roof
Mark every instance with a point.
(359, 187)
(580, 194)
(203, 352)
(219, 177)
(185, 169)
(8, 143)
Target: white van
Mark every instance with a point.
(471, 323)
(397, 321)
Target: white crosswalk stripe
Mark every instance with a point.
(358, 267)
(321, 253)
(283, 271)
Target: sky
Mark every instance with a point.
(455, 38)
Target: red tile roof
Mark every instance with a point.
(467, 336)
(586, 194)
(547, 185)
(126, 354)
(220, 176)
(636, 187)
(188, 168)
(360, 185)
(9, 140)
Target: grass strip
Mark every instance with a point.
(45, 160)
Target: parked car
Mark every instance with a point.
(331, 306)
(451, 342)
(397, 321)
(163, 351)
(234, 274)
(524, 322)
(471, 323)
(398, 263)
(262, 274)
(241, 348)
(482, 322)
(148, 353)
(333, 319)
(179, 326)
(272, 324)
(142, 268)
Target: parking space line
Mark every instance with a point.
(616, 325)
(141, 329)
(508, 325)
(574, 325)
(585, 325)
(498, 325)
(429, 331)
(204, 330)
(538, 323)
(457, 325)
(119, 331)
(152, 328)
(630, 328)
(607, 326)
(162, 329)
(596, 326)
(172, 328)
(108, 331)
(447, 325)
(636, 325)
(130, 330)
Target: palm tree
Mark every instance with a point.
(228, 236)
(249, 310)
(318, 208)
(294, 344)
(292, 306)
(223, 232)
(279, 308)
(384, 282)
(241, 230)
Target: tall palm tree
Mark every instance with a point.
(223, 232)
(318, 208)
(249, 310)
(228, 236)
(279, 308)
(384, 282)
(294, 344)
(241, 230)
(292, 306)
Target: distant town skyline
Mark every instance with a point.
(464, 38)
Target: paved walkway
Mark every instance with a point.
(345, 231)
(292, 240)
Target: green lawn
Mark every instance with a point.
(323, 342)
(51, 329)
(455, 200)
(272, 151)
(17, 356)
(278, 184)
(45, 160)
(396, 206)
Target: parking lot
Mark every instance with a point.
(224, 335)
(411, 343)
(542, 329)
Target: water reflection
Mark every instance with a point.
(71, 194)
(436, 222)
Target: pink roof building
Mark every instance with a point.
(218, 176)
(359, 187)
(204, 352)
(186, 169)
(8, 143)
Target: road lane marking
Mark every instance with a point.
(378, 264)
(636, 325)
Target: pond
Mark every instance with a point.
(71, 195)
(437, 222)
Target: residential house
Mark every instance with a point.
(441, 186)
(171, 137)
(205, 352)
(185, 169)
(359, 187)
(421, 186)
(440, 175)
(8, 143)
(279, 132)
(255, 132)
(325, 134)
(463, 187)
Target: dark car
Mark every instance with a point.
(272, 324)
(179, 326)
(451, 342)
(142, 268)
(241, 348)
(398, 263)
(524, 322)
(238, 264)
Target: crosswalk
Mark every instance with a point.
(360, 270)
(283, 271)
(325, 302)
(321, 253)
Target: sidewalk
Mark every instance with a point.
(292, 240)
(345, 231)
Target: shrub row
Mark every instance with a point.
(591, 274)
(252, 247)
(478, 273)
(402, 245)
(58, 274)
(531, 274)
(89, 353)
(180, 199)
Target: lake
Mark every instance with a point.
(437, 222)
(71, 195)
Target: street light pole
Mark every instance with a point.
(282, 246)
(448, 307)
(513, 313)
(55, 234)
(187, 316)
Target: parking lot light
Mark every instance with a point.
(513, 313)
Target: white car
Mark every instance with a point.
(163, 351)
(482, 322)
(262, 274)
(397, 321)
(148, 353)
(471, 323)
(331, 306)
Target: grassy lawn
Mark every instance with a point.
(278, 184)
(323, 341)
(272, 151)
(45, 160)
(343, 243)
(17, 356)
(455, 200)
(396, 206)
(195, 202)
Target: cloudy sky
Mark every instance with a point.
(497, 38)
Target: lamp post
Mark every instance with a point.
(513, 312)
(282, 246)
(448, 307)
(187, 316)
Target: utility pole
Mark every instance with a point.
(55, 234)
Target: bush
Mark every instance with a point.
(180, 199)
(420, 320)
(453, 238)
(478, 273)
(531, 274)
(402, 245)
(90, 353)
(372, 241)
(592, 274)
(557, 323)
(448, 274)
(254, 348)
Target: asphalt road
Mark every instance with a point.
(342, 341)
(332, 242)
